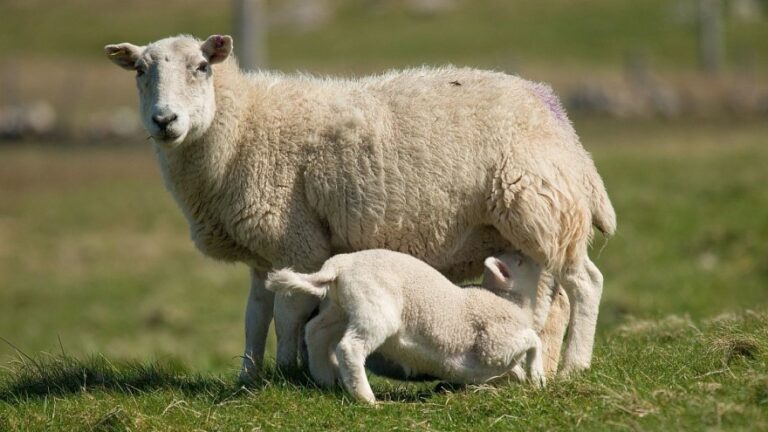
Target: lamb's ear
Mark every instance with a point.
(497, 270)
(217, 48)
(124, 54)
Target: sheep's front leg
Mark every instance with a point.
(291, 314)
(258, 315)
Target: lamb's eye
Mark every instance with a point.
(140, 71)
(202, 67)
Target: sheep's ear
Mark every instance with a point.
(217, 48)
(124, 54)
(497, 271)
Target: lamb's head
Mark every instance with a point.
(175, 82)
(514, 275)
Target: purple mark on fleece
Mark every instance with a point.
(548, 96)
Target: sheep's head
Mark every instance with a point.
(175, 82)
(512, 273)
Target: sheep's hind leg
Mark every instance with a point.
(258, 315)
(584, 285)
(323, 334)
(291, 313)
(554, 330)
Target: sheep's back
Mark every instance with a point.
(403, 161)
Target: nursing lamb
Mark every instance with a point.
(398, 306)
(450, 165)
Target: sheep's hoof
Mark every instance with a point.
(569, 372)
(247, 377)
(446, 387)
(249, 372)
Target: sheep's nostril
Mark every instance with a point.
(162, 121)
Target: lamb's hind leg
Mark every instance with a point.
(584, 285)
(357, 343)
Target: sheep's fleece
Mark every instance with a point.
(392, 303)
(449, 165)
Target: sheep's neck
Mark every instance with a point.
(196, 172)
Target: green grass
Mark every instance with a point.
(674, 374)
(486, 32)
(95, 260)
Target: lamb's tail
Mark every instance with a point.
(287, 282)
(603, 214)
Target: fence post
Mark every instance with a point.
(250, 21)
(710, 35)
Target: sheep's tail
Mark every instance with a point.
(287, 282)
(603, 214)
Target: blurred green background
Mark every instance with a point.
(96, 258)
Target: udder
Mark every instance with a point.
(464, 261)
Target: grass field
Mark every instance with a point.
(53, 49)
(555, 32)
(143, 333)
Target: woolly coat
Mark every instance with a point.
(450, 165)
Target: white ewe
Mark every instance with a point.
(397, 305)
(449, 165)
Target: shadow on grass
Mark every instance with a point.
(62, 375)
(417, 392)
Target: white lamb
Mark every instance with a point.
(400, 307)
(449, 165)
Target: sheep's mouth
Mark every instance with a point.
(168, 139)
(167, 136)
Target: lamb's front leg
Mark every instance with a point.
(526, 342)
(258, 315)
(534, 360)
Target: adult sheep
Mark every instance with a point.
(448, 165)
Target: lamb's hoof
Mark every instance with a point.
(518, 373)
(538, 379)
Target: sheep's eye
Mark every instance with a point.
(202, 67)
(139, 72)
